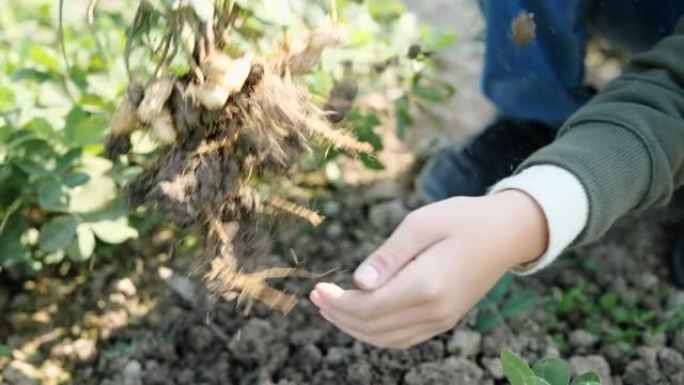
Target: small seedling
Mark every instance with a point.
(500, 305)
(547, 371)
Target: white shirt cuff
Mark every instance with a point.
(564, 202)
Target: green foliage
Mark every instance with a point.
(385, 9)
(515, 368)
(5, 351)
(380, 35)
(58, 195)
(547, 371)
(553, 371)
(363, 126)
(500, 305)
(613, 320)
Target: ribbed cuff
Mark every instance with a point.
(564, 203)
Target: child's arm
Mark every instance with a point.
(626, 150)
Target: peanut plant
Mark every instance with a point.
(547, 371)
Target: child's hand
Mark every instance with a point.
(438, 263)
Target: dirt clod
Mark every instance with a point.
(464, 343)
(451, 371)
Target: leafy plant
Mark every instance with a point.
(610, 318)
(547, 371)
(5, 351)
(499, 305)
(59, 80)
(58, 196)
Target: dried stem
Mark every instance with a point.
(292, 208)
(227, 16)
(226, 281)
(162, 61)
(62, 44)
(340, 139)
(207, 148)
(91, 12)
(138, 21)
(333, 11)
(208, 33)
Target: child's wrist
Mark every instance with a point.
(523, 220)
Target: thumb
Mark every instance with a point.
(416, 233)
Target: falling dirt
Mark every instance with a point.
(523, 29)
(231, 131)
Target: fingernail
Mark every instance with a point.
(328, 290)
(367, 276)
(315, 298)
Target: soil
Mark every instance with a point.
(142, 316)
(144, 320)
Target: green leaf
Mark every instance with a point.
(57, 233)
(39, 54)
(515, 368)
(270, 12)
(68, 159)
(74, 117)
(403, 115)
(363, 127)
(83, 246)
(501, 288)
(7, 98)
(384, 10)
(371, 162)
(41, 127)
(32, 74)
(519, 304)
(5, 174)
(608, 301)
(589, 378)
(90, 130)
(93, 100)
(32, 168)
(114, 210)
(50, 194)
(538, 381)
(11, 248)
(432, 90)
(621, 314)
(553, 370)
(486, 320)
(92, 196)
(5, 132)
(360, 37)
(444, 40)
(113, 231)
(76, 179)
(79, 77)
(437, 41)
(6, 351)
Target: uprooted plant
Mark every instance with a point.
(230, 130)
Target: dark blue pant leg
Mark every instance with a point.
(540, 81)
(543, 81)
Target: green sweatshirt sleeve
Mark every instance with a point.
(626, 146)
